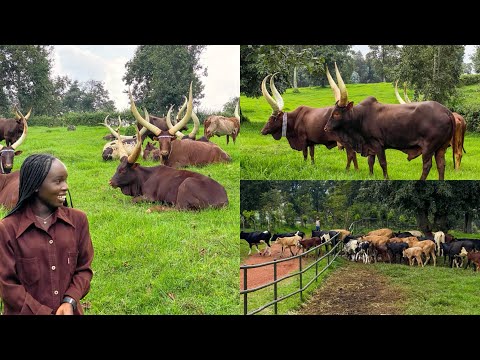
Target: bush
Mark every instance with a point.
(469, 79)
(471, 114)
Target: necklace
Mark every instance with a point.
(44, 220)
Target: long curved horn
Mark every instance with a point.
(275, 93)
(269, 99)
(121, 149)
(178, 134)
(136, 151)
(336, 90)
(21, 138)
(187, 116)
(405, 92)
(139, 117)
(343, 90)
(399, 98)
(236, 114)
(182, 108)
(196, 126)
(28, 114)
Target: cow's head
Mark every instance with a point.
(275, 121)
(126, 174)
(164, 138)
(7, 153)
(342, 106)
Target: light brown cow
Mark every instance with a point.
(413, 253)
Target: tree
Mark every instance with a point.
(160, 75)
(467, 68)
(25, 78)
(475, 57)
(432, 71)
(355, 78)
(384, 59)
(96, 97)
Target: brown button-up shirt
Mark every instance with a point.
(38, 267)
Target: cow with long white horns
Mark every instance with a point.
(458, 138)
(221, 125)
(12, 129)
(8, 153)
(110, 149)
(177, 153)
(303, 127)
(185, 190)
(422, 128)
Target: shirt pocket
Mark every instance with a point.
(29, 270)
(72, 261)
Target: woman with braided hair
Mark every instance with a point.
(45, 246)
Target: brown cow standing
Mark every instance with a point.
(8, 153)
(221, 125)
(423, 128)
(9, 187)
(12, 129)
(460, 129)
(303, 127)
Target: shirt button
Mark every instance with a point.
(56, 292)
(53, 267)
(50, 241)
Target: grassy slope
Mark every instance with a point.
(264, 158)
(161, 263)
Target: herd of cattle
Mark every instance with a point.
(424, 128)
(165, 183)
(377, 245)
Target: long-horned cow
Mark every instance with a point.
(12, 129)
(181, 188)
(7, 153)
(458, 138)
(303, 127)
(175, 152)
(110, 149)
(221, 125)
(421, 128)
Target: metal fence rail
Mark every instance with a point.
(330, 255)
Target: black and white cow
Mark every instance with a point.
(256, 238)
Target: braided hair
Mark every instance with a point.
(33, 172)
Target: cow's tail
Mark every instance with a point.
(454, 138)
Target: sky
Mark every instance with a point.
(469, 49)
(106, 63)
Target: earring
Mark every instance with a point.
(36, 190)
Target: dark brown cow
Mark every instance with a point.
(460, 129)
(12, 129)
(181, 188)
(422, 128)
(303, 127)
(9, 185)
(7, 153)
(180, 153)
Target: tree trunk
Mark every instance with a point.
(467, 226)
(295, 89)
(440, 222)
(422, 220)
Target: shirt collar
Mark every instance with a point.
(27, 218)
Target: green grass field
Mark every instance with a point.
(175, 262)
(264, 158)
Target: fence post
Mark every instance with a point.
(245, 296)
(275, 306)
(300, 274)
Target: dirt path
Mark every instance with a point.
(355, 289)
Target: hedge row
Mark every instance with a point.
(471, 114)
(469, 79)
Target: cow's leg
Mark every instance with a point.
(234, 137)
(440, 160)
(227, 139)
(371, 162)
(305, 153)
(383, 162)
(256, 245)
(250, 251)
(434, 259)
(427, 165)
(312, 153)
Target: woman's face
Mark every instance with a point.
(53, 190)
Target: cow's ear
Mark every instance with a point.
(18, 152)
(350, 105)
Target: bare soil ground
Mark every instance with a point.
(355, 289)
